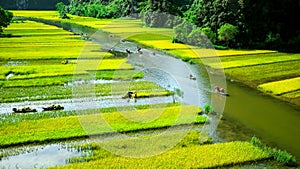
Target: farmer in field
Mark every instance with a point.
(129, 95)
(135, 96)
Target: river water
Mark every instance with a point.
(273, 121)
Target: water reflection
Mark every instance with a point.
(39, 157)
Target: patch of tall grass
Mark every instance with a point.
(279, 155)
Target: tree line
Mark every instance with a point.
(268, 24)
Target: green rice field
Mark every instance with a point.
(192, 155)
(28, 131)
(288, 89)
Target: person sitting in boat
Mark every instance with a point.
(122, 40)
(217, 89)
(139, 50)
(128, 51)
(192, 77)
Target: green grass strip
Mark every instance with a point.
(281, 87)
(247, 61)
(258, 74)
(144, 89)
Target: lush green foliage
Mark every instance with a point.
(62, 9)
(227, 33)
(210, 34)
(5, 18)
(101, 9)
(214, 14)
(279, 155)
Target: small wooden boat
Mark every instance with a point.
(23, 110)
(223, 93)
(53, 107)
(192, 77)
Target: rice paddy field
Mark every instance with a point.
(251, 67)
(191, 156)
(38, 62)
(39, 130)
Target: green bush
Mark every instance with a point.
(219, 47)
(182, 31)
(279, 155)
(283, 157)
(210, 34)
(227, 33)
(6, 18)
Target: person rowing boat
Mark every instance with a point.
(221, 90)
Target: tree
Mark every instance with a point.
(227, 33)
(62, 10)
(182, 31)
(163, 13)
(276, 16)
(5, 18)
(210, 34)
(198, 38)
(214, 14)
